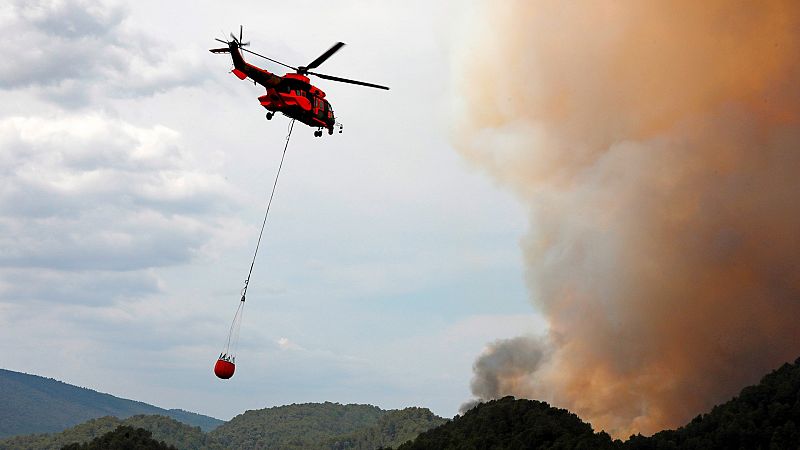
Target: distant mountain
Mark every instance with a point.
(764, 416)
(34, 404)
(323, 426)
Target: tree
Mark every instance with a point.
(122, 438)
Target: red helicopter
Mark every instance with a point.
(292, 94)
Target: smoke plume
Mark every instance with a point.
(505, 366)
(658, 147)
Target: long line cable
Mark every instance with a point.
(266, 214)
(233, 332)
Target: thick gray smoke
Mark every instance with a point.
(658, 147)
(504, 368)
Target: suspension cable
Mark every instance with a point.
(233, 334)
(264, 223)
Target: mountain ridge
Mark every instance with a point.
(47, 405)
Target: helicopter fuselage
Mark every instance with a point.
(292, 94)
(295, 97)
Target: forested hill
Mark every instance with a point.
(166, 429)
(509, 423)
(764, 416)
(394, 428)
(322, 426)
(284, 426)
(34, 404)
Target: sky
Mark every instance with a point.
(135, 171)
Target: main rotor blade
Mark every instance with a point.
(345, 80)
(260, 56)
(321, 58)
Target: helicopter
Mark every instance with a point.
(291, 94)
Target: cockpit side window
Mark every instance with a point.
(320, 105)
(329, 110)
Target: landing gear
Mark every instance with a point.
(330, 131)
(269, 115)
(318, 133)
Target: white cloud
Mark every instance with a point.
(285, 344)
(75, 287)
(96, 195)
(76, 52)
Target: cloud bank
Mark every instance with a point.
(75, 53)
(87, 193)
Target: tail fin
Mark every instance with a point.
(242, 69)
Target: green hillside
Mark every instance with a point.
(123, 438)
(34, 404)
(391, 430)
(322, 426)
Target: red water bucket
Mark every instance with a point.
(224, 369)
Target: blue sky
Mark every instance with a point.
(135, 169)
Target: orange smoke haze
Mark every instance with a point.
(658, 147)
